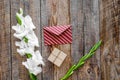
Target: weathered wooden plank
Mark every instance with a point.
(84, 17)
(48, 69)
(90, 71)
(31, 8)
(110, 34)
(61, 16)
(18, 70)
(55, 12)
(76, 15)
(5, 52)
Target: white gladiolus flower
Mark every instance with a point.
(19, 29)
(37, 58)
(32, 67)
(28, 23)
(32, 63)
(21, 44)
(28, 42)
(24, 48)
(23, 51)
(22, 30)
(32, 39)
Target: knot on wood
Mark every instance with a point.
(89, 70)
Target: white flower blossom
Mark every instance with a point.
(28, 23)
(28, 42)
(32, 67)
(37, 58)
(24, 48)
(32, 64)
(22, 30)
(23, 51)
(32, 39)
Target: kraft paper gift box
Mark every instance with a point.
(57, 57)
(57, 35)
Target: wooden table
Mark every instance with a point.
(91, 20)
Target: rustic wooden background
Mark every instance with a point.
(91, 20)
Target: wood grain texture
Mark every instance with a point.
(91, 20)
(110, 34)
(55, 12)
(90, 70)
(5, 44)
(19, 72)
(48, 70)
(77, 51)
(61, 16)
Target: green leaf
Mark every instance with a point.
(71, 69)
(96, 46)
(28, 55)
(68, 73)
(82, 60)
(25, 39)
(79, 65)
(18, 19)
(33, 77)
(67, 76)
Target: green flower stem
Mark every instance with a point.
(69, 72)
(81, 61)
(32, 76)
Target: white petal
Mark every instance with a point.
(21, 51)
(37, 58)
(18, 43)
(36, 70)
(21, 35)
(32, 67)
(28, 22)
(33, 40)
(29, 50)
(29, 64)
(26, 64)
(15, 28)
(18, 28)
(38, 55)
(21, 44)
